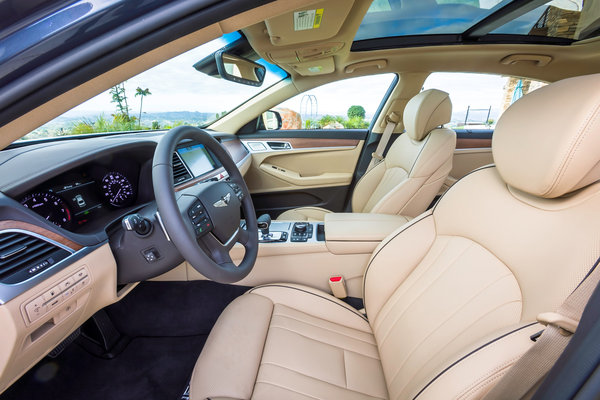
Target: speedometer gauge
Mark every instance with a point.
(49, 206)
(117, 189)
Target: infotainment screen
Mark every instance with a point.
(197, 159)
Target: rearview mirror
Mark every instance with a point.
(238, 69)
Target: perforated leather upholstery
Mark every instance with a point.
(451, 297)
(414, 169)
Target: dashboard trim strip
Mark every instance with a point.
(40, 233)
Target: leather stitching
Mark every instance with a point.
(583, 131)
(310, 377)
(487, 378)
(393, 303)
(450, 317)
(327, 329)
(406, 227)
(360, 180)
(260, 362)
(419, 154)
(465, 329)
(287, 388)
(470, 354)
(389, 193)
(314, 294)
(322, 342)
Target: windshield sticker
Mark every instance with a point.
(307, 19)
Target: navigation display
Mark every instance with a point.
(197, 159)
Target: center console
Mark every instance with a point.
(297, 232)
(310, 253)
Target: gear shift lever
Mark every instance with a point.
(264, 222)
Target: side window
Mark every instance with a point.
(347, 104)
(478, 100)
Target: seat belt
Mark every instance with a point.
(392, 120)
(523, 378)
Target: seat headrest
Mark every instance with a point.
(425, 111)
(548, 142)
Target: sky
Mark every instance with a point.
(176, 86)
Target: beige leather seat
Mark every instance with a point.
(451, 297)
(414, 169)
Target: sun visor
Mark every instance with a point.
(317, 22)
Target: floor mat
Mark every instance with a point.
(149, 369)
(169, 323)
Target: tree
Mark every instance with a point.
(356, 123)
(120, 97)
(356, 111)
(142, 93)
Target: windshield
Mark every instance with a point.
(171, 94)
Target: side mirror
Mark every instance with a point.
(272, 120)
(240, 70)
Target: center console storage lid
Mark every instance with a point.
(351, 233)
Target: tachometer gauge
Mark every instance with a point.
(49, 206)
(117, 189)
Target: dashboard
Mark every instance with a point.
(65, 252)
(77, 197)
(86, 197)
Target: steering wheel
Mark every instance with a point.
(203, 221)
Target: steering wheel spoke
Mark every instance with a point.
(218, 251)
(243, 237)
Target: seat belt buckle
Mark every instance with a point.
(338, 287)
(567, 325)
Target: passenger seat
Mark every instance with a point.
(414, 169)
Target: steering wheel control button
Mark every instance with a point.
(199, 218)
(301, 232)
(237, 190)
(151, 255)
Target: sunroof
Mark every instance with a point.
(569, 19)
(471, 20)
(388, 18)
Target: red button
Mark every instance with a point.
(335, 278)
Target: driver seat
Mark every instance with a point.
(452, 297)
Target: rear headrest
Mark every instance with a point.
(548, 142)
(425, 111)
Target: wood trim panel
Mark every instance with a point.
(306, 143)
(236, 150)
(472, 143)
(10, 224)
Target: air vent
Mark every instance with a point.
(23, 256)
(180, 172)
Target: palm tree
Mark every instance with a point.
(142, 93)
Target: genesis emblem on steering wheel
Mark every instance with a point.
(223, 201)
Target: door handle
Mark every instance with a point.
(279, 145)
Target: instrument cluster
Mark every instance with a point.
(75, 198)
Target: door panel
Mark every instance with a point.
(303, 168)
